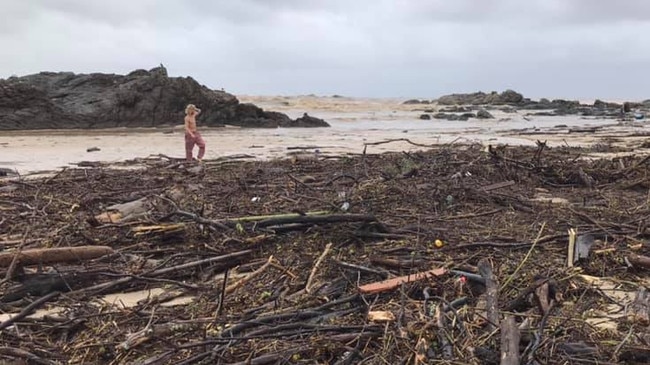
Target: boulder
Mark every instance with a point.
(455, 109)
(599, 104)
(454, 117)
(484, 114)
(425, 116)
(142, 98)
(308, 121)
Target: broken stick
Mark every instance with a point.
(313, 270)
(638, 260)
(390, 284)
(231, 288)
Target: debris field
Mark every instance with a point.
(456, 254)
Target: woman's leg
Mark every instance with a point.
(201, 143)
(189, 146)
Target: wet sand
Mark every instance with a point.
(354, 122)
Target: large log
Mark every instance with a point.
(55, 255)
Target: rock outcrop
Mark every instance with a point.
(140, 99)
(481, 98)
(511, 101)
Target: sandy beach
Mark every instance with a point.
(354, 121)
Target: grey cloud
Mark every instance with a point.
(564, 48)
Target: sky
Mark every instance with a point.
(575, 49)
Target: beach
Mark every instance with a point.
(354, 122)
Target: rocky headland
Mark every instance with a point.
(64, 100)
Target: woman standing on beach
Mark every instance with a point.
(192, 136)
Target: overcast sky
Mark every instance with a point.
(579, 49)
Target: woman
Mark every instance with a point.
(192, 136)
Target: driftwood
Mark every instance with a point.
(639, 310)
(54, 255)
(394, 283)
(638, 260)
(125, 212)
(331, 218)
(232, 259)
(492, 295)
(509, 341)
(28, 310)
(270, 313)
(446, 345)
(29, 357)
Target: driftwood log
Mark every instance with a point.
(54, 255)
(509, 341)
(491, 293)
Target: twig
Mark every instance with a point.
(14, 262)
(538, 335)
(313, 270)
(249, 277)
(20, 353)
(367, 270)
(620, 345)
(139, 337)
(222, 297)
(28, 309)
(473, 215)
(521, 264)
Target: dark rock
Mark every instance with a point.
(484, 114)
(455, 109)
(510, 97)
(543, 114)
(6, 171)
(454, 117)
(415, 101)
(308, 121)
(429, 110)
(481, 98)
(425, 116)
(599, 104)
(93, 149)
(140, 99)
